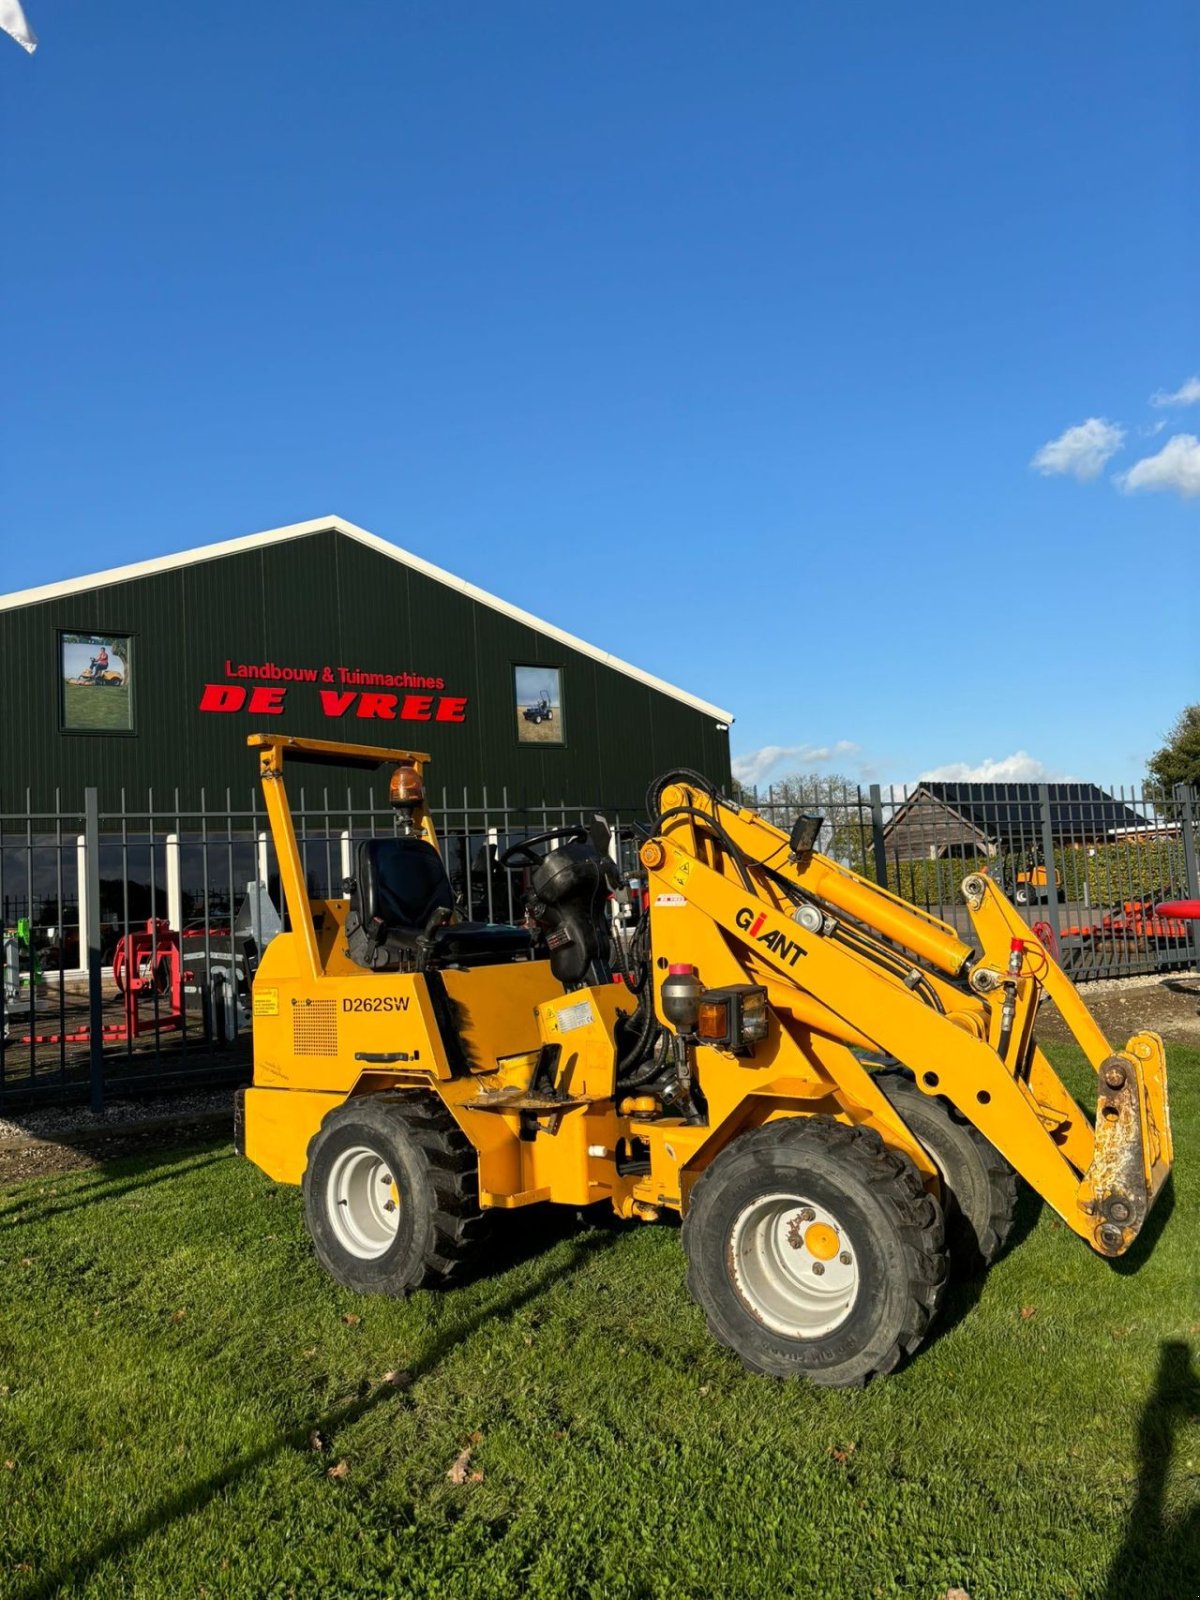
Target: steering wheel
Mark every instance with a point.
(521, 854)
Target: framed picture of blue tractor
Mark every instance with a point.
(96, 672)
(539, 705)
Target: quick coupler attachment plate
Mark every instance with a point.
(1132, 1155)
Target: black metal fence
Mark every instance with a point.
(1086, 866)
(130, 936)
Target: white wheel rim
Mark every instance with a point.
(793, 1266)
(362, 1202)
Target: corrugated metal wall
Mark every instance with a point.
(325, 600)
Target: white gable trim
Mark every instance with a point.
(299, 530)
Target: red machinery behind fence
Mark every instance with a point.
(147, 969)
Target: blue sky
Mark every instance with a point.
(721, 335)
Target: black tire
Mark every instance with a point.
(889, 1227)
(979, 1198)
(438, 1224)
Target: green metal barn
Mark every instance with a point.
(148, 678)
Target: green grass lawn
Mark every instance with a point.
(168, 1345)
(89, 705)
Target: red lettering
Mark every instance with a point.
(377, 705)
(222, 697)
(269, 701)
(451, 709)
(417, 708)
(334, 704)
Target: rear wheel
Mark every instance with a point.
(979, 1197)
(391, 1194)
(814, 1251)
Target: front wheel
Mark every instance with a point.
(814, 1251)
(979, 1188)
(391, 1194)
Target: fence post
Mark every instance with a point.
(877, 839)
(174, 883)
(91, 837)
(81, 880)
(1048, 860)
(1185, 797)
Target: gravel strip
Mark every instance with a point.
(1141, 980)
(53, 1122)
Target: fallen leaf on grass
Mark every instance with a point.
(317, 1440)
(955, 1594)
(706, 1388)
(340, 1470)
(842, 1453)
(1026, 1313)
(399, 1379)
(178, 1316)
(352, 1319)
(26, 1261)
(475, 1438)
(10, 1466)
(459, 1472)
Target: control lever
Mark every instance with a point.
(438, 918)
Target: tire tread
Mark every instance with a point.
(898, 1185)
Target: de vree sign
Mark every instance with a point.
(339, 691)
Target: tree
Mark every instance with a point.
(1179, 759)
(847, 832)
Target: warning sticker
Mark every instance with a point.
(576, 1016)
(682, 873)
(266, 1002)
(670, 900)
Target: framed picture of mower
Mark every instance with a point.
(96, 678)
(539, 705)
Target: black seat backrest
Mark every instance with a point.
(398, 885)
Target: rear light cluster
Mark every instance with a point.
(733, 1018)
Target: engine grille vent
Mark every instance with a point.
(314, 1028)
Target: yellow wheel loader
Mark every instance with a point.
(835, 1091)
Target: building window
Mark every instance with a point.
(539, 705)
(96, 674)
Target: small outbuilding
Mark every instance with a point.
(986, 819)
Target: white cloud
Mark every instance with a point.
(1081, 451)
(754, 767)
(1020, 767)
(1176, 466)
(1187, 394)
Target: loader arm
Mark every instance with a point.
(850, 962)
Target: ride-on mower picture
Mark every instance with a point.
(838, 1095)
(98, 676)
(540, 711)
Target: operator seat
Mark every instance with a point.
(400, 904)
